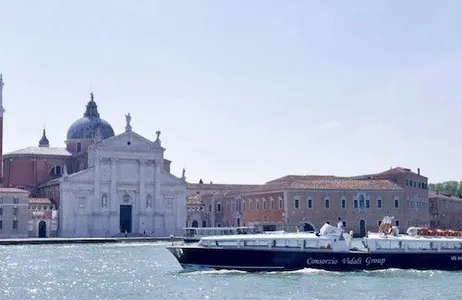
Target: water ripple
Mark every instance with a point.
(141, 271)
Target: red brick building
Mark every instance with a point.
(29, 167)
(306, 202)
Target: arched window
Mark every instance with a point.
(343, 203)
(361, 202)
(326, 202)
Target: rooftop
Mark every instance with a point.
(327, 183)
(40, 201)
(346, 184)
(12, 190)
(433, 195)
(292, 178)
(43, 151)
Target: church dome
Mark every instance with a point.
(90, 126)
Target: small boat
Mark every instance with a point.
(194, 234)
(329, 249)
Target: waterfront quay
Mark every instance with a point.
(86, 240)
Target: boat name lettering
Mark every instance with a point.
(456, 257)
(377, 261)
(351, 260)
(324, 261)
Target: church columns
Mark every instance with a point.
(142, 163)
(97, 199)
(157, 181)
(112, 201)
(97, 202)
(142, 197)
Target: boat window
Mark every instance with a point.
(382, 245)
(204, 243)
(310, 244)
(279, 243)
(256, 243)
(450, 245)
(325, 244)
(434, 245)
(395, 245)
(227, 243)
(292, 244)
(418, 245)
(287, 243)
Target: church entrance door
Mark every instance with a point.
(125, 218)
(42, 229)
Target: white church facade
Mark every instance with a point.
(124, 190)
(115, 185)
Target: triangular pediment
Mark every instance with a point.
(128, 141)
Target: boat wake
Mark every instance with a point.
(212, 272)
(309, 272)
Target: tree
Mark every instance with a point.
(451, 187)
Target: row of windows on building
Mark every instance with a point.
(31, 207)
(415, 184)
(14, 225)
(248, 205)
(15, 200)
(15, 211)
(40, 207)
(361, 203)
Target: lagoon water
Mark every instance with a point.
(136, 271)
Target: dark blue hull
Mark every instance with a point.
(253, 260)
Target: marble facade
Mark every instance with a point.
(124, 191)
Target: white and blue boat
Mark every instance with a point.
(330, 249)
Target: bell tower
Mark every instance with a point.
(2, 110)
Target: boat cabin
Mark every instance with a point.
(325, 240)
(416, 239)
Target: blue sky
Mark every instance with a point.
(245, 91)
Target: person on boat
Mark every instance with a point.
(340, 223)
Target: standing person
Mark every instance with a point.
(340, 223)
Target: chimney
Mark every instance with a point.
(418, 171)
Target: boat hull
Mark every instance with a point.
(254, 260)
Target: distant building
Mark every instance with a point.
(220, 209)
(124, 188)
(13, 213)
(43, 218)
(196, 214)
(32, 166)
(415, 197)
(445, 211)
(307, 202)
(102, 184)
